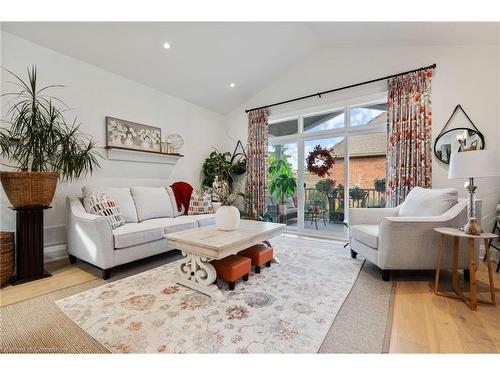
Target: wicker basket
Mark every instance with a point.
(29, 188)
(6, 256)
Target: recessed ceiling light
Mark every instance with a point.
(166, 45)
(232, 84)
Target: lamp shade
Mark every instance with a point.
(480, 163)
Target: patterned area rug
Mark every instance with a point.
(287, 308)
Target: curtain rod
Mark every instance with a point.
(318, 94)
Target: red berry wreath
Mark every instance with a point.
(319, 161)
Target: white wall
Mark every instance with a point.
(467, 75)
(94, 93)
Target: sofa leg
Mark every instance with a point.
(386, 275)
(467, 274)
(232, 284)
(268, 264)
(245, 277)
(353, 254)
(257, 269)
(106, 274)
(72, 259)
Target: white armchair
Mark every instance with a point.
(395, 242)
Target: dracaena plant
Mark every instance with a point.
(38, 139)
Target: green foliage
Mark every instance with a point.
(283, 183)
(217, 164)
(379, 184)
(357, 193)
(326, 186)
(39, 139)
(316, 199)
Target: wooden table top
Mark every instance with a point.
(217, 242)
(455, 232)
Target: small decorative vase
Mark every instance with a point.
(145, 144)
(227, 218)
(472, 227)
(129, 141)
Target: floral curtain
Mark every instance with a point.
(256, 182)
(409, 157)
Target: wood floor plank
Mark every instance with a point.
(426, 323)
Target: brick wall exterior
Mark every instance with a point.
(363, 170)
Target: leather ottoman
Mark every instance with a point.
(259, 254)
(231, 268)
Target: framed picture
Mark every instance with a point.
(131, 135)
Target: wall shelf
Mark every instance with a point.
(141, 156)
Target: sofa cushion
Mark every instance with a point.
(172, 225)
(132, 234)
(205, 219)
(152, 202)
(121, 196)
(367, 234)
(177, 212)
(101, 205)
(428, 202)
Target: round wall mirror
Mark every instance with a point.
(457, 140)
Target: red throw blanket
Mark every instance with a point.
(182, 192)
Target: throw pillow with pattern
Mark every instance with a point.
(200, 203)
(99, 204)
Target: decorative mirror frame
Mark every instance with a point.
(443, 132)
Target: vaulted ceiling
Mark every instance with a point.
(204, 58)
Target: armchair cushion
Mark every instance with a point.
(428, 202)
(367, 234)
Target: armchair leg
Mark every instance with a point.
(386, 275)
(353, 254)
(106, 274)
(467, 275)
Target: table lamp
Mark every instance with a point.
(470, 165)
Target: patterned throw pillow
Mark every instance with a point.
(99, 204)
(200, 204)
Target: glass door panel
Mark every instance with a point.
(367, 170)
(323, 205)
(283, 212)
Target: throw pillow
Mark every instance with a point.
(428, 202)
(99, 204)
(200, 204)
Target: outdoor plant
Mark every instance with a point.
(283, 183)
(356, 193)
(38, 138)
(326, 187)
(379, 184)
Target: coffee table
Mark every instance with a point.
(201, 245)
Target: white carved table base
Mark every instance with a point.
(197, 273)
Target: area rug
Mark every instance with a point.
(287, 308)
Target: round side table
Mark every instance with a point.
(472, 300)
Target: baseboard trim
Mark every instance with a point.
(52, 253)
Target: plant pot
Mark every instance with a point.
(227, 218)
(29, 188)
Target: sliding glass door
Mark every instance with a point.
(355, 134)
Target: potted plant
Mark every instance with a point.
(283, 183)
(41, 145)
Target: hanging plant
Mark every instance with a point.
(319, 161)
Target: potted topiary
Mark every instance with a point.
(42, 146)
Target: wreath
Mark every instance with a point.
(319, 161)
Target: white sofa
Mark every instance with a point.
(402, 238)
(149, 215)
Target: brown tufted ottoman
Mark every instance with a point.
(259, 254)
(231, 268)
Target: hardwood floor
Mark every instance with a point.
(422, 322)
(64, 275)
(426, 323)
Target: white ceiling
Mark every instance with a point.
(205, 58)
